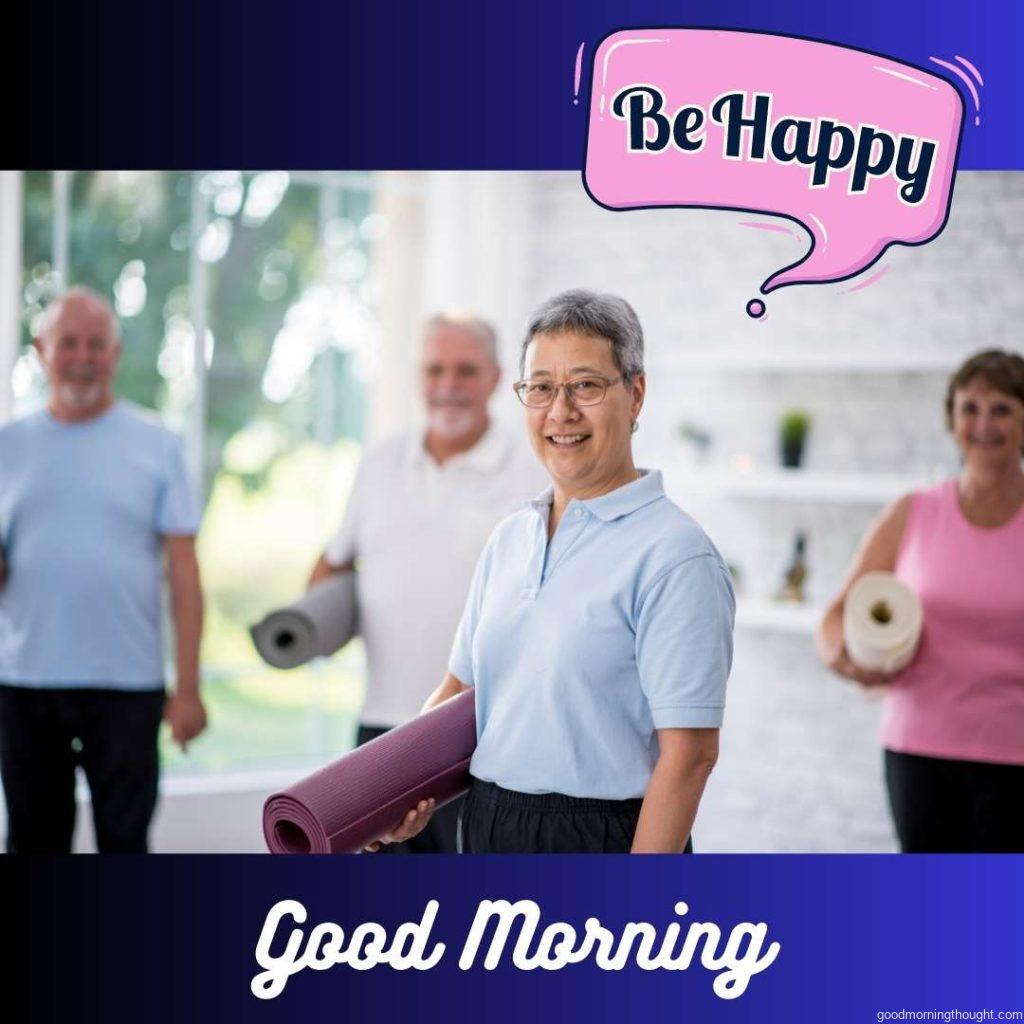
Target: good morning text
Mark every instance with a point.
(514, 932)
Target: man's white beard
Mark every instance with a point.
(450, 422)
(80, 395)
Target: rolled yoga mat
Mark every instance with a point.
(882, 619)
(318, 624)
(363, 795)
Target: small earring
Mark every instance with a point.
(635, 427)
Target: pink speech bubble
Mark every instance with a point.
(857, 148)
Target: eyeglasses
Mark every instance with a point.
(539, 394)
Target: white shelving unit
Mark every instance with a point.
(751, 360)
(772, 484)
(793, 485)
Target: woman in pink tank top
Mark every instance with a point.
(953, 720)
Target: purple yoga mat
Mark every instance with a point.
(363, 795)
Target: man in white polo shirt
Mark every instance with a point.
(422, 506)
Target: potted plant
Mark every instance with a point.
(792, 434)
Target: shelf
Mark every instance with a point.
(777, 616)
(791, 485)
(769, 360)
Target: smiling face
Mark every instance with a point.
(988, 424)
(585, 449)
(458, 376)
(79, 351)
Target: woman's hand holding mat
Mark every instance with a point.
(844, 665)
(411, 825)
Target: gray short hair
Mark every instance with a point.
(596, 315)
(80, 293)
(480, 328)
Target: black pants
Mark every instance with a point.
(496, 820)
(111, 734)
(947, 806)
(439, 835)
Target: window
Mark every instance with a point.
(274, 270)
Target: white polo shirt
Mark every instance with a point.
(416, 530)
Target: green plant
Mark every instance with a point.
(794, 426)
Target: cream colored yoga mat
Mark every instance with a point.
(882, 619)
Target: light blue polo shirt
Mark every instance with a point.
(83, 511)
(580, 649)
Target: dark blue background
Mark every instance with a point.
(173, 938)
(456, 84)
(461, 85)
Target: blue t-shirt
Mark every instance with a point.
(83, 510)
(581, 648)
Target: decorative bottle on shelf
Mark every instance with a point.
(792, 588)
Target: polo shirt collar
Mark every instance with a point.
(615, 504)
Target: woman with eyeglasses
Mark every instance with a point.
(953, 719)
(598, 629)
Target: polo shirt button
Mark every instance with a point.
(579, 512)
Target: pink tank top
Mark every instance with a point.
(962, 696)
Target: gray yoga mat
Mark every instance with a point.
(319, 623)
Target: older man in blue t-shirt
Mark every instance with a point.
(93, 496)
